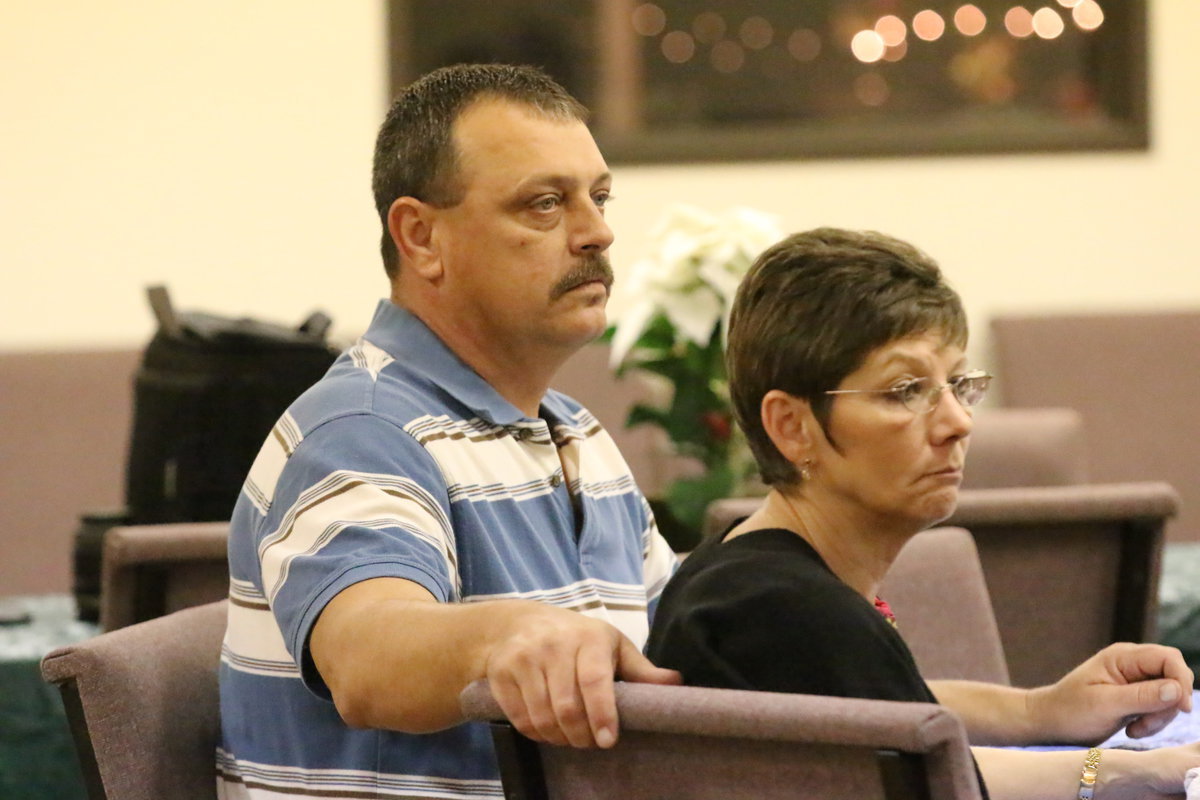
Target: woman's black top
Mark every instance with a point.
(763, 611)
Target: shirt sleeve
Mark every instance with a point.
(659, 561)
(358, 498)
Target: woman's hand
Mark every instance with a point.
(1139, 687)
(1054, 775)
(1145, 774)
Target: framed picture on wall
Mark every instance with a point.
(726, 80)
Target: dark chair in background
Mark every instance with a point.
(143, 706)
(1026, 447)
(1133, 376)
(714, 744)
(939, 595)
(151, 570)
(1069, 569)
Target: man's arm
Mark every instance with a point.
(1140, 687)
(393, 657)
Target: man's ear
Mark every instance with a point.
(410, 223)
(789, 421)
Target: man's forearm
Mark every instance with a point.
(395, 658)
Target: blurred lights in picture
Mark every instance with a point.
(1018, 21)
(928, 25)
(649, 20)
(727, 56)
(678, 47)
(1047, 23)
(891, 29)
(731, 43)
(804, 44)
(1088, 15)
(871, 89)
(969, 20)
(756, 33)
(708, 27)
(896, 52)
(867, 46)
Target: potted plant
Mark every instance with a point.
(674, 330)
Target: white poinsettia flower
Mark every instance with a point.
(696, 261)
(722, 279)
(633, 323)
(684, 218)
(694, 314)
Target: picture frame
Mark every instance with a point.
(988, 92)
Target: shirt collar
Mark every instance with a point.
(410, 342)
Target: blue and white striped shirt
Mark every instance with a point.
(403, 462)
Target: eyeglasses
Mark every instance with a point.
(921, 395)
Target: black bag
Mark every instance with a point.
(87, 549)
(207, 393)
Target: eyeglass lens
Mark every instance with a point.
(968, 390)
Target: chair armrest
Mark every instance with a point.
(136, 557)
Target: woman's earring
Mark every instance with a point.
(806, 469)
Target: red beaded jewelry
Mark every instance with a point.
(883, 608)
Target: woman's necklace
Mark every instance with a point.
(880, 604)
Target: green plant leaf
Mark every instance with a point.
(642, 414)
(688, 498)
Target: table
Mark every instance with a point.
(37, 756)
(1184, 729)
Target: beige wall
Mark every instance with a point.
(224, 148)
(221, 147)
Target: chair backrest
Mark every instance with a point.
(151, 570)
(1069, 569)
(1133, 376)
(143, 706)
(939, 595)
(705, 744)
(1026, 447)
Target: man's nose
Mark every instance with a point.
(592, 233)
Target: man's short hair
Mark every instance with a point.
(414, 152)
(811, 310)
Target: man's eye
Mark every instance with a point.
(547, 203)
(601, 199)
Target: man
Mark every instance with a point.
(429, 513)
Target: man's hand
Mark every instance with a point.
(1139, 687)
(553, 673)
(393, 657)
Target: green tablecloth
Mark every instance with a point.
(1179, 600)
(37, 757)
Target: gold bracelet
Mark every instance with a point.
(1087, 780)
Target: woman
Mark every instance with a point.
(848, 370)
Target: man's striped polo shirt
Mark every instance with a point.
(403, 462)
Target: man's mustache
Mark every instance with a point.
(592, 267)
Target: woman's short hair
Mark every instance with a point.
(810, 311)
